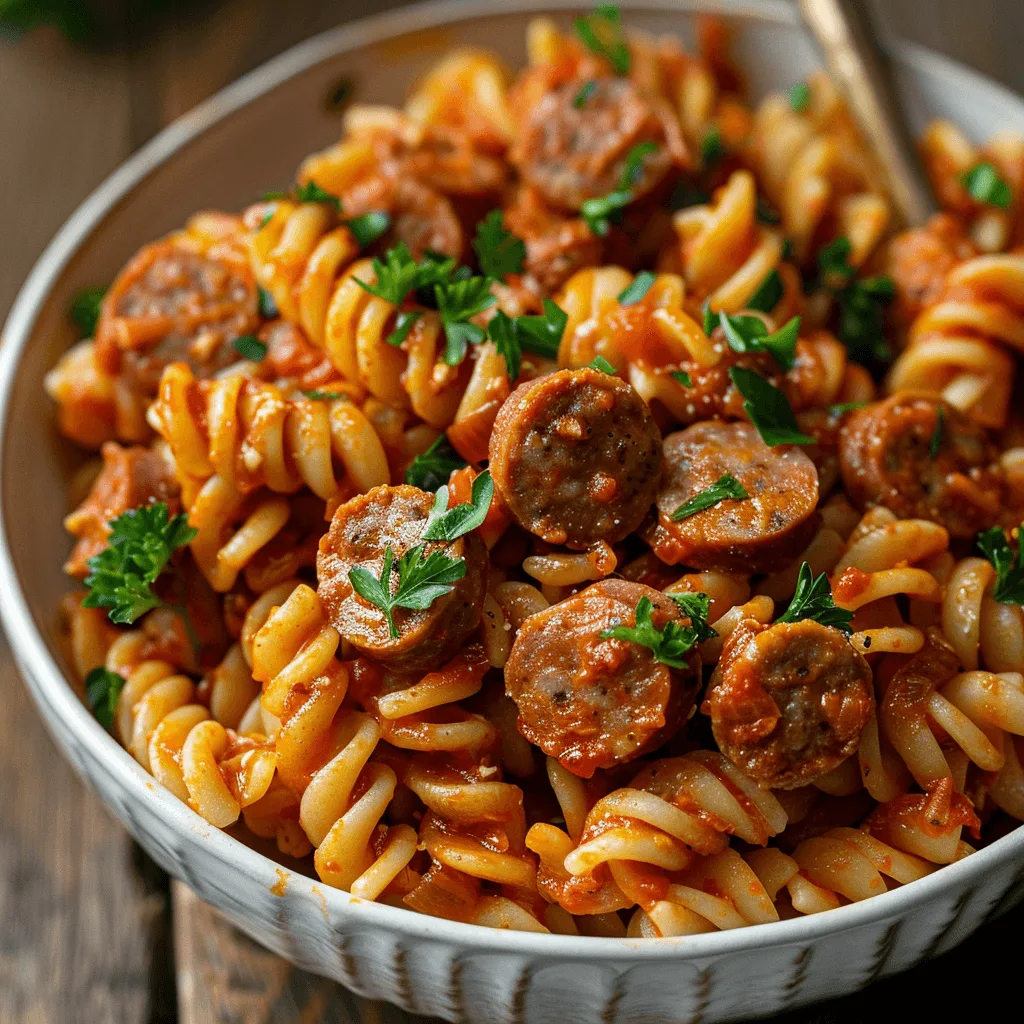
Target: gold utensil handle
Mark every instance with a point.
(862, 72)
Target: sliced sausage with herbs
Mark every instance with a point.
(576, 457)
(762, 531)
(922, 458)
(590, 701)
(788, 702)
(361, 532)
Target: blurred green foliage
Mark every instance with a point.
(76, 19)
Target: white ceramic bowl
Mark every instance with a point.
(249, 138)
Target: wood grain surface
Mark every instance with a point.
(86, 930)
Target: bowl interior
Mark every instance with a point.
(252, 137)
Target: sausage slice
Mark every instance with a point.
(594, 703)
(788, 702)
(359, 533)
(893, 453)
(762, 532)
(575, 456)
(571, 152)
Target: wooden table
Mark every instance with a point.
(90, 929)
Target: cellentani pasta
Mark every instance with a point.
(575, 504)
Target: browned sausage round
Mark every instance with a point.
(886, 455)
(360, 531)
(594, 703)
(572, 152)
(762, 532)
(788, 702)
(576, 457)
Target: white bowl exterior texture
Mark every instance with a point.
(248, 139)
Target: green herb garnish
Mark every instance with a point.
(768, 408)
(670, 644)
(102, 689)
(404, 321)
(250, 347)
(985, 185)
(323, 396)
(601, 364)
(681, 377)
(1009, 588)
(369, 227)
(311, 192)
(800, 97)
(695, 607)
(726, 488)
(267, 305)
(498, 251)
(813, 600)
(639, 287)
(449, 524)
(601, 33)
(399, 274)
(712, 149)
(586, 91)
(601, 213)
(749, 334)
(457, 301)
(433, 468)
(85, 310)
(767, 296)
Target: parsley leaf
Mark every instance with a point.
(141, 544)
(267, 305)
(602, 364)
(102, 689)
(833, 263)
(323, 396)
(457, 301)
(404, 321)
(369, 227)
(749, 334)
(813, 600)
(502, 331)
(399, 274)
(311, 192)
(85, 310)
(670, 644)
(250, 347)
(726, 488)
(499, 251)
(681, 377)
(601, 33)
(639, 287)
(432, 469)
(800, 97)
(709, 318)
(449, 524)
(1009, 588)
(421, 581)
(936, 442)
(601, 213)
(986, 186)
(767, 296)
(586, 91)
(768, 408)
(695, 607)
(543, 334)
(844, 407)
(712, 148)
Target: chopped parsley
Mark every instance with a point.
(749, 334)
(498, 251)
(1009, 588)
(726, 488)
(311, 192)
(102, 689)
(586, 91)
(673, 642)
(85, 310)
(399, 274)
(936, 442)
(457, 301)
(250, 347)
(369, 227)
(768, 408)
(421, 581)
(602, 364)
(449, 524)
(813, 600)
(433, 468)
(681, 377)
(323, 396)
(985, 185)
(601, 33)
(712, 149)
(695, 607)
(267, 305)
(842, 408)
(540, 334)
(710, 318)
(405, 319)
(502, 331)
(639, 287)
(767, 296)
(800, 97)
(601, 213)
(141, 544)
(861, 303)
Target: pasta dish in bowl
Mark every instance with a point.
(572, 505)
